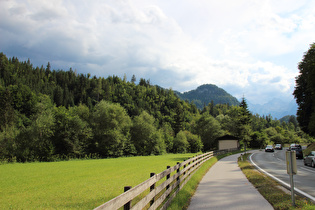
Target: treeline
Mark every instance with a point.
(47, 115)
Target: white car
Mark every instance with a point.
(310, 159)
(278, 146)
(269, 148)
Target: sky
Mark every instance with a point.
(250, 48)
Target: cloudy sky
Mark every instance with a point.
(247, 47)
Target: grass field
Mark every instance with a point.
(77, 184)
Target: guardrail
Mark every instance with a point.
(159, 196)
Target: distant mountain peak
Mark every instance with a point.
(208, 88)
(206, 93)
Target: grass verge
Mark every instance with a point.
(310, 148)
(270, 189)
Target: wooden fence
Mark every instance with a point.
(159, 196)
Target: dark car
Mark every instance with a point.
(269, 148)
(298, 152)
(295, 145)
(310, 159)
(278, 147)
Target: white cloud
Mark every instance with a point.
(248, 47)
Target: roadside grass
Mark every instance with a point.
(185, 194)
(182, 199)
(310, 148)
(76, 184)
(270, 189)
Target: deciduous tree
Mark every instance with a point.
(181, 145)
(145, 136)
(209, 129)
(111, 125)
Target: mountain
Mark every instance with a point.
(277, 108)
(204, 94)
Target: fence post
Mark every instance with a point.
(184, 168)
(152, 187)
(178, 171)
(167, 177)
(127, 205)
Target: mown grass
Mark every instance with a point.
(270, 189)
(77, 184)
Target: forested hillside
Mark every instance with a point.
(206, 94)
(48, 115)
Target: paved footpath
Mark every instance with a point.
(226, 187)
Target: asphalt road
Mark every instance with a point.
(275, 164)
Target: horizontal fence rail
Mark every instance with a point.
(159, 196)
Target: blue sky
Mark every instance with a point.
(247, 47)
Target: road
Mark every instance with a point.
(275, 164)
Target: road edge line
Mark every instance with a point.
(281, 182)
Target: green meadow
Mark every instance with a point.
(76, 184)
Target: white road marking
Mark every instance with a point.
(280, 181)
(306, 169)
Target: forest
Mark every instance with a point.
(51, 115)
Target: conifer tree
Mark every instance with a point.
(133, 79)
(244, 129)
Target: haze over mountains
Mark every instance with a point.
(204, 94)
(276, 108)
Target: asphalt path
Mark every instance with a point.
(274, 165)
(226, 187)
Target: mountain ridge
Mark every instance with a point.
(204, 94)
